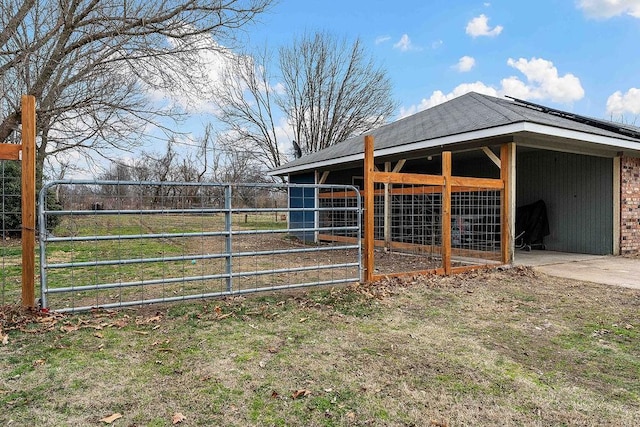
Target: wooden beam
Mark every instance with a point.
(446, 212)
(398, 167)
(408, 178)
(368, 209)
(387, 206)
(507, 174)
(28, 200)
(491, 155)
(10, 151)
(323, 177)
(460, 181)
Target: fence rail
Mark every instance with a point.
(119, 244)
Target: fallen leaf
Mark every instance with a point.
(48, 319)
(274, 394)
(120, 323)
(69, 328)
(304, 319)
(111, 418)
(4, 338)
(301, 393)
(178, 418)
(98, 335)
(38, 362)
(141, 332)
(351, 416)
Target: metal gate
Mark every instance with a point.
(115, 244)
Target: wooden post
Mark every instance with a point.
(507, 175)
(387, 208)
(369, 242)
(28, 200)
(446, 212)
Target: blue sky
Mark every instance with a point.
(581, 56)
(575, 55)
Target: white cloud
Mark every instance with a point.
(479, 26)
(619, 103)
(465, 64)
(207, 67)
(542, 83)
(609, 8)
(438, 97)
(437, 44)
(404, 44)
(382, 39)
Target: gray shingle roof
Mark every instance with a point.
(467, 113)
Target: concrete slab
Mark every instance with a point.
(608, 270)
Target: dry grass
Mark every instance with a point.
(496, 348)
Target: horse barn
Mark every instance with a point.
(582, 174)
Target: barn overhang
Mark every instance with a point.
(525, 134)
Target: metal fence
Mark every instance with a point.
(10, 223)
(114, 244)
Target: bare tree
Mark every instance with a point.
(92, 63)
(333, 90)
(247, 101)
(330, 90)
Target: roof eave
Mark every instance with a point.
(493, 132)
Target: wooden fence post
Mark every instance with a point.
(507, 174)
(446, 212)
(369, 241)
(28, 200)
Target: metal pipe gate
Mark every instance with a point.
(117, 244)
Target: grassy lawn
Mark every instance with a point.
(505, 348)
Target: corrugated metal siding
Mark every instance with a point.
(578, 192)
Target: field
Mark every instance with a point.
(508, 348)
(173, 256)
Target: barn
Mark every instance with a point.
(585, 170)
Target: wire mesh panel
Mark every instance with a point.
(129, 243)
(476, 225)
(407, 222)
(408, 227)
(11, 220)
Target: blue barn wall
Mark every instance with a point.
(302, 198)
